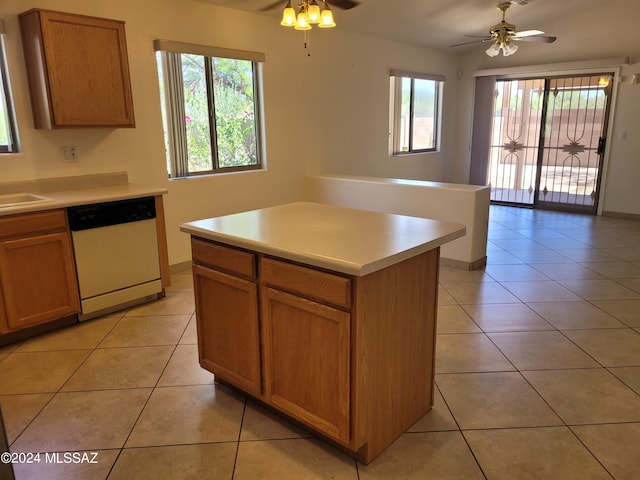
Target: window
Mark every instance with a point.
(416, 101)
(210, 108)
(8, 132)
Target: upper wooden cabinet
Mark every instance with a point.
(77, 70)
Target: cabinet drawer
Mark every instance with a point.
(225, 258)
(25, 224)
(306, 281)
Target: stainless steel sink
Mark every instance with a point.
(18, 199)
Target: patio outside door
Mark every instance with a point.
(547, 141)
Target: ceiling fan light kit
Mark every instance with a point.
(309, 13)
(507, 48)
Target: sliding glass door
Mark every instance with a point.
(547, 141)
(515, 135)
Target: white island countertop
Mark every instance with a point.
(346, 240)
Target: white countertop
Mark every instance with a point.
(355, 242)
(83, 196)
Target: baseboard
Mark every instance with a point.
(462, 265)
(19, 335)
(180, 267)
(630, 216)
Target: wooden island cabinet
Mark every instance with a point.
(326, 314)
(226, 286)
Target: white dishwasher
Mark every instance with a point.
(116, 252)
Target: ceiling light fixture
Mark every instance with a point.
(309, 13)
(502, 43)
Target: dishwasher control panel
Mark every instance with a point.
(85, 217)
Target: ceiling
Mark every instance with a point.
(609, 25)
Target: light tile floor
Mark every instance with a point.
(538, 376)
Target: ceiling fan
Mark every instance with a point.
(343, 4)
(310, 12)
(503, 34)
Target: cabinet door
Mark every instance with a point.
(4, 327)
(228, 330)
(38, 280)
(306, 361)
(77, 69)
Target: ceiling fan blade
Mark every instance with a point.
(273, 5)
(535, 38)
(486, 39)
(343, 4)
(529, 33)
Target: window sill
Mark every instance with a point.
(219, 174)
(409, 154)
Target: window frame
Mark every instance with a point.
(395, 124)
(13, 143)
(177, 158)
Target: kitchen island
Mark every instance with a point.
(326, 314)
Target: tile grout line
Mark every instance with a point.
(153, 389)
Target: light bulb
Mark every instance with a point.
(493, 50)
(288, 16)
(509, 49)
(326, 18)
(303, 21)
(313, 12)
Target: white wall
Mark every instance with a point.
(621, 194)
(327, 112)
(353, 116)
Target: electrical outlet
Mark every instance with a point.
(70, 154)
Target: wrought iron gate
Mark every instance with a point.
(547, 141)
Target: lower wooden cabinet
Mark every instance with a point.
(3, 315)
(306, 361)
(228, 334)
(37, 274)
